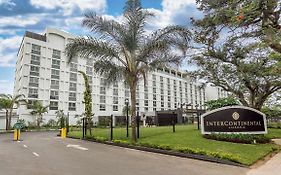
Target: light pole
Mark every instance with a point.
(127, 117)
(196, 106)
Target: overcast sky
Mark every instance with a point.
(17, 16)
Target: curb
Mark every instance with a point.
(166, 152)
(49, 130)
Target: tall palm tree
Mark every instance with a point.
(38, 110)
(8, 103)
(124, 50)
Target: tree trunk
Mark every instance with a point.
(133, 109)
(7, 120)
(10, 118)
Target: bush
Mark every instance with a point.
(239, 138)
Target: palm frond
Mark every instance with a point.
(92, 48)
(111, 71)
(108, 29)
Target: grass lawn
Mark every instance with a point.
(188, 136)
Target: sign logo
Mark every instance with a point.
(235, 115)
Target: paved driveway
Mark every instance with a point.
(45, 154)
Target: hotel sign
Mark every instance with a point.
(234, 119)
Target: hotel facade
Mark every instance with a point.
(44, 74)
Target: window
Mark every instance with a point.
(90, 80)
(72, 96)
(54, 105)
(36, 49)
(89, 70)
(54, 84)
(115, 108)
(55, 74)
(72, 106)
(33, 93)
(73, 77)
(115, 84)
(102, 99)
(34, 70)
(35, 60)
(115, 100)
(154, 77)
(169, 105)
(154, 96)
(137, 102)
(54, 95)
(55, 64)
(102, 107)
(154, 83)
(102, 90)
(73, 67)
(145, 102)
(56, 54)
(154, 109)
(154, 90)
(162, 97)
(72, 86)
(154, 103)
(115, 92)
(102, 82)
(146, 109)
(162, 104)
(34, 81)
(146, 96)
(127, 93)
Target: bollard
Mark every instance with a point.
(15, 135)
(63, 133)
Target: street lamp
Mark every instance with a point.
(127, 117)
(196, 106)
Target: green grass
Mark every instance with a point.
(187, 136)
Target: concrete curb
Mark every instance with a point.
(47, 130)
(166, 152)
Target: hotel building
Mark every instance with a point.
(44, 74)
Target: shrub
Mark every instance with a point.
(239, 138)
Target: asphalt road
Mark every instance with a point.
(42, 153)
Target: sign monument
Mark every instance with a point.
(234, 119)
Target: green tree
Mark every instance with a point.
(38, 110)
(125, 51)
(258, 19)
(240, 48)
(88, 103)
(8, 103)
(221, 102)
(61, 118)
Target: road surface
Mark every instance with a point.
(43, 153)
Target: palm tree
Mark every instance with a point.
(38, 110)
(125, 50)
(8, 103)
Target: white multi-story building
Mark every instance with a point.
(44, 74)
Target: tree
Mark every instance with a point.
(88, 103)
(258, 19)
(61, 118)
(221, 102)
(125, 51)
(248, 72)
(38, 110)
(241, 47)
(8, 103)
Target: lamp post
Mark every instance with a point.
(127, 117)
(196, 106)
